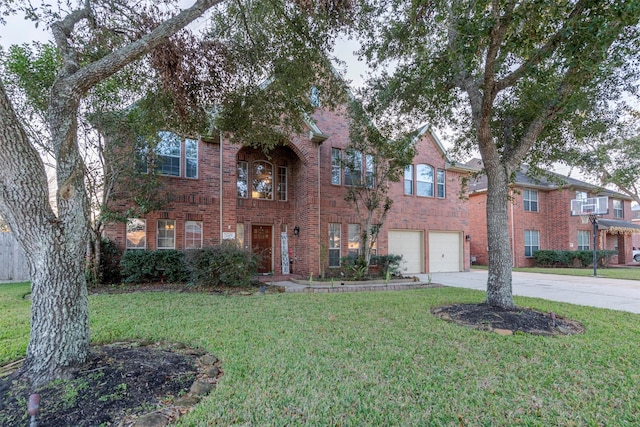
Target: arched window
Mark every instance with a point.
(424, 179)
(262, 184)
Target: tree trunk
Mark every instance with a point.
(499, 292)
(59, 313)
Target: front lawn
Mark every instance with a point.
(377, 358)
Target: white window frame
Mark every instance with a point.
(165, 152)
(136, 225)
(528, 200)
(190, 242)
(335, 237)
(408, 179)
(262, 188)
(369, 170)
(282, 183)
(427, 181)
(242, 178)
(353, 169)
(618, 208)
(190, 158)
(354, 246)
(584, 240)
(336, 166)
(529, 245)
(441, 178)
(166, 231)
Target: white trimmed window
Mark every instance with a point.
(193, 235)
(353, 168)
(354, 240)
(441, 177)
(240, 234)
(424, 179)
(282, 183)
(136, 233)
(168, 151)
(581, 195)
(166, 234)
(618, 208)
(336, 166)
(242, 179)
(584, 239)
(191, 158)
(408, 180)
(531, 242)
(262, 183)
(369, 168)
(334, 244)
(530, 198)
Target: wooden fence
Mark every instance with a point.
(13, 263)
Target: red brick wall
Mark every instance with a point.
(313, 202)
(558, 229)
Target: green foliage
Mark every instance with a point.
(356, 267)
(388, 264)
(226, 264)
(110, 259)
(139, 266)
(563, 258)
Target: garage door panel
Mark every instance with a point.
(409, 244)
(444, 252)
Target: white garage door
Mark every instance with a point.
(410, 245)
(444, 252)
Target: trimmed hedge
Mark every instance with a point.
(139, 266)
(226, 264)
(548, 258)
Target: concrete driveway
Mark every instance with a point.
(590, 291)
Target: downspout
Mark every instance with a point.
(221, 189)
(513, 235)
(319, 224)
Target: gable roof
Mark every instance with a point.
(554, 181)
(450, 164)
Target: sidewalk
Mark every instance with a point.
(615, 294)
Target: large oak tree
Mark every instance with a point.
(513, 78)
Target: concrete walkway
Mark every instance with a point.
(599, 292)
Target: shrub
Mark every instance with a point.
(110, 257)
(226, 264)
(388, 263)
(549, 258)
(151, 266)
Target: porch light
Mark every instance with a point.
(467, 237)
(296, 231)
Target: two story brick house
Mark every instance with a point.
(289, 205)
(540, 218)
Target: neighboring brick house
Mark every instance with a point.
(289, 205)
(539, 216)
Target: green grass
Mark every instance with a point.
(629, 273)
(378, 358)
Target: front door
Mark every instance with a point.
(261, 242)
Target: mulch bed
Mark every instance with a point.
(118, 384)
(508, 321)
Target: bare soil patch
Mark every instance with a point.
(508, 321)
(117, 385)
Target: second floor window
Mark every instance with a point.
(191, 158)
(353, 168)
(618, 208)
(282, 183)
(262, 183)
(530, 198)
(242, 179)
(441, 176)
(336, 166)
(424, 179)
(168, 151)
(408, 180)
